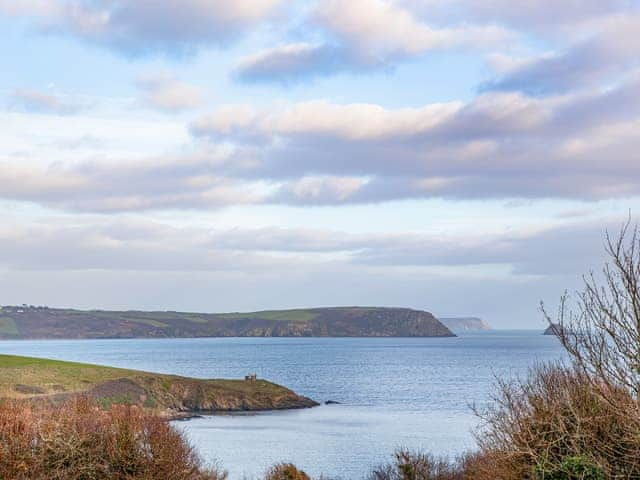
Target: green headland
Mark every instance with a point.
(173, 396)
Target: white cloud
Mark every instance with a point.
(164, 92)
(351, 121)
(378, 29)
(43, 102)
(362, 35)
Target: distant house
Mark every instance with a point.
(251, 378)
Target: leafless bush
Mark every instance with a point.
(580, 421)
(602, 334)
(79, 440)
(554, 424)
(286, 471)
(423, 466)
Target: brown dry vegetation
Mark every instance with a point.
(81, 441)
(286, 471)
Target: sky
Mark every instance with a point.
(465, 158)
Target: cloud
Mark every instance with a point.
(500, 145)
(292, 62)
(41, 102)
(362, 35)
(587, 39)
(610, 53)
(186, 182)
(137, 27)
(357, 121)
(134, 244)
(376, 30)
(539, 16)
(164, 92)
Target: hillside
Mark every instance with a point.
(170, 395)
(465, 324)
(43, 322)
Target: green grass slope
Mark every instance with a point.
(53, 380)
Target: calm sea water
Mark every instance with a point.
(393, 392)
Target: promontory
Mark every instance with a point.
(37, 322)
(172, 396)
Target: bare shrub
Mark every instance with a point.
(78, 441)
(580, 421)
(409, 465)
(286, 471)
(602, 334)
(554, 425)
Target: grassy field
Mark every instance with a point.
(52, 376)
(298, 315)
(28, 377)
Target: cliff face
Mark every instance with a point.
(465, 324)
(180, 397)
(35, 322)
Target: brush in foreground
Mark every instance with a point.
(79, 440)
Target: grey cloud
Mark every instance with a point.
(135, 27)
(362, 35)
(606, 55)
(500, 145)
(161, 183)
(121, 246)
(539, 15)
(293, 62)
(147, 246)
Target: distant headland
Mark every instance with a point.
(553, 329)
(465, 324)
(37, 322)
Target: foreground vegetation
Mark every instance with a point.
(81, 441)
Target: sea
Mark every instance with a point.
(412, 393)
